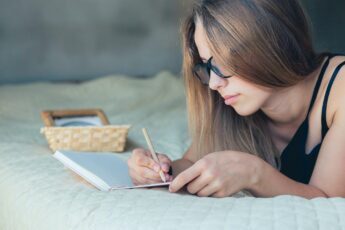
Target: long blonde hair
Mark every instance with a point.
(266, 42)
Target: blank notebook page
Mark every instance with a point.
(108, 167)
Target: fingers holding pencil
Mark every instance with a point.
(148, 166)
(144, 170)
(153, 152)
(164, 161)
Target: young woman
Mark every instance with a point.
(266, 112)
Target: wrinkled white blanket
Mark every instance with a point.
(38, 193)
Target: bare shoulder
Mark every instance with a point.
(330, 162)
(336, 98)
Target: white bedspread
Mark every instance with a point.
(38, 193)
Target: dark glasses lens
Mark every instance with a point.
(202, 72)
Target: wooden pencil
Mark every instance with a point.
(153, 152)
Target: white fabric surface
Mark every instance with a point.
(37, 192)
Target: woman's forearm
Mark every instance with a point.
(185, 162)
(180, 165)
(270, 182)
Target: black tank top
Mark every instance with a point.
(295, 162)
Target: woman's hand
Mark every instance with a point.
(144, 170)
(219, 174)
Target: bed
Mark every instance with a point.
(37, 192)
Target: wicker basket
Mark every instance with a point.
(109, 138)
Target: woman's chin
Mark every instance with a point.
(242, 111)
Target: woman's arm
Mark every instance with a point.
(270, 182)
(182, 164)
(224, 173)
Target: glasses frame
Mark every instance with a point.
(208, 67)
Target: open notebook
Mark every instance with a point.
(105, 171)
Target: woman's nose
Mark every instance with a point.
(215, 81)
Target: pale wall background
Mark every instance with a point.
(83, 39)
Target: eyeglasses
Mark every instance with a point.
(203, 71)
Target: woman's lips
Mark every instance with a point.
(230, 99)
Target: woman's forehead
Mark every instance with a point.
(201, 41)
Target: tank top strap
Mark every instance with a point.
(325, 100)
(318, 82)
